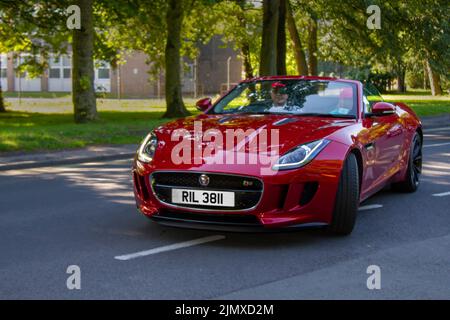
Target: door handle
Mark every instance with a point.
(370, 146)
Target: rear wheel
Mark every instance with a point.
(347, 198)
(412, 178)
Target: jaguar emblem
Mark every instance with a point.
(203, 180)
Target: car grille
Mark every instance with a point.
(247, 190)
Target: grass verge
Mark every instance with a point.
(21, 131)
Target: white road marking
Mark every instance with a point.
(122, 201)
(437, 129)
(441, 194)
(370, 207)
(436, 145)
(435, 166)
(171, 247)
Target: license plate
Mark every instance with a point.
(203, 198)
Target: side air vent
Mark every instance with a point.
(308, 192)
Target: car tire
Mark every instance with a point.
(412, 178)
(347, 199)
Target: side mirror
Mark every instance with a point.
(382, 108)
(204, 104)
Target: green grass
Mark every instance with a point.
(422, 102)
(27, 94)
(20, 131)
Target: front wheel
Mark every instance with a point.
(347, 198)
(412, 178)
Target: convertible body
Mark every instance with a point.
(318, 166)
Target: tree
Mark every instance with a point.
(244, 41)
(434, 78)
(166, 31)
(174, 98)
(429, 38)
(281, 39)
(268, 59)
(312, 47)
(83, 90)
(299, 52)
(26, 27)
(40, 28)
(239, 24)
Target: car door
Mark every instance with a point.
(382, 139)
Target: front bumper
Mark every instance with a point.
(305, 196)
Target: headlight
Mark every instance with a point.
(301, 155)
(147, 149)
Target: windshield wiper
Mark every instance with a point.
(262, 112)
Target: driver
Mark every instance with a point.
(280, 96)
(345, 105)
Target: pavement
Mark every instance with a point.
(21, 160)
(84, 215)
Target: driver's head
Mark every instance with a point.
(279, 94)
(346, 99)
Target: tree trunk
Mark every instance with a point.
(425, 75)
(299, 53)
(2, 102)
(435, 81)
(401, 85)
(312, 48)
(248, 68)
(174, 97)
(83, 91)
(245, 47)
(268, 60)
(281, 40)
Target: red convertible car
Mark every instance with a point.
(278, 152)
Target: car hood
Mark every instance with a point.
(292, 130)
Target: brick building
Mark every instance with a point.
(216, 66)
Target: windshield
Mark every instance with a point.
(297, 97)
(370, 97)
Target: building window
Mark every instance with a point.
(54, 62)
(189, 72)
(60, 67)
(3, 61)
(55, 73)
(103, 73)
(67, 73)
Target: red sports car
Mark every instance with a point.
(278, 152)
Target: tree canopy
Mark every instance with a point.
(271, 37)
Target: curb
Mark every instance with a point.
(50, 163)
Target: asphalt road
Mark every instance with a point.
(84, 215)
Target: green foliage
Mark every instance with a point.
(34, 27)
(239, 23)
